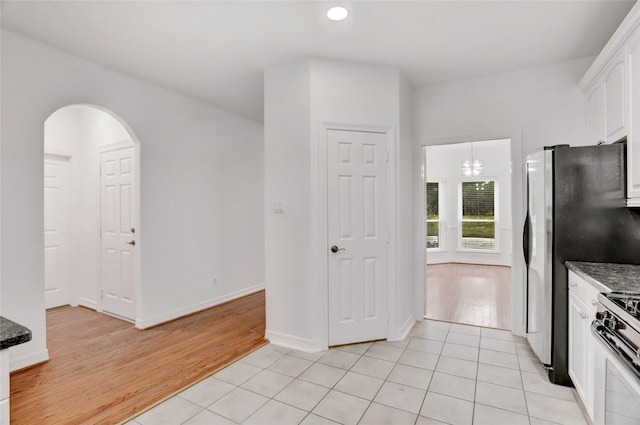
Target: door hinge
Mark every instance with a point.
(101, 293)
(387, 156)
(388, 238)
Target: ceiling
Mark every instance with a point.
(216, 51)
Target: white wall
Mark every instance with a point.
(290, 307)
(443, 165)
(534, 107)
(80, 131)
(367, 95)
(409, 309)
(201, 189)
(544, 103)
(301, 99)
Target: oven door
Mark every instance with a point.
(617, 387)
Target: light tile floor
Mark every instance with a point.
(442, 374)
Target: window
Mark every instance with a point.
(477, 215)
(433, 191)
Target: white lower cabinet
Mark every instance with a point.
(4, 387)
(582, 310)
(4, 412)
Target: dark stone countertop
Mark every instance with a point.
(608, 277)
(12, 333)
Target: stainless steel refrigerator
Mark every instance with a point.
(575, 211)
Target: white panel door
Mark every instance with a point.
(56, 222)
(117, 176)
(357, 229)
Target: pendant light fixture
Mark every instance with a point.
(472, 167)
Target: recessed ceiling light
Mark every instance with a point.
(337, 13)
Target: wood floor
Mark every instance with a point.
(102, 370)
(472, 294)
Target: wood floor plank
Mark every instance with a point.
(102, 370)
(471, 294)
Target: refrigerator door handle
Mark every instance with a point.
(526, 239)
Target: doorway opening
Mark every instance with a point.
(468, 232)
(91, 204)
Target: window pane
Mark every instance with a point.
(433, 235)
(432, 200)
(478, 200)
(478, 235)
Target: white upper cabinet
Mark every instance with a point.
(612, 97)
(633, 141)
(613, 85)
(595, 115)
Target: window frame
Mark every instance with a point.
(441, 216)
(496, 215)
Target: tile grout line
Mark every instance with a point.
(404, 348)
(333, 387)
(383, 382)
(251, 391)
(431, 380)
(349, 370)
(526, 402)
(295, 378)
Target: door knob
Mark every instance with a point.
(336, 249)
(132, 242)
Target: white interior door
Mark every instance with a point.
(56, 223)
(357, 227)
(118, 240)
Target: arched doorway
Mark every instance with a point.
(91, 204)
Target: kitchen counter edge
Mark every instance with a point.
(12, 333)
(608, 277)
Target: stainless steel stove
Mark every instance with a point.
(618, 323)
(617, 368)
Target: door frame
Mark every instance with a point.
(131, 143)
(518, 209)
(320, 216)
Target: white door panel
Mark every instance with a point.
(118, 232)
(56, 244)
(357, 225)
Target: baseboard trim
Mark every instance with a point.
(29, 360)
(294, 342)
(403, 331)
(474, 262)
(194, 308)
(93, 305)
